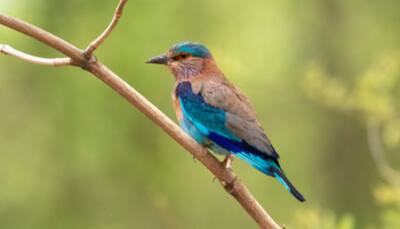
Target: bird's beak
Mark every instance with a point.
(161, 59)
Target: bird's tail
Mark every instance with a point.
(281, 177)
(272, 168)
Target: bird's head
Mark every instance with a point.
(185, 59)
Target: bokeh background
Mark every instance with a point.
(324, 76)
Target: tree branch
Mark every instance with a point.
(43, 36)
(227, 178)
(56, 62)
(100, 39)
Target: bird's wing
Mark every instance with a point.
(225, 115)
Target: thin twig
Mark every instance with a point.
(43, 36)
(226, 177)
(56, 62)
(100, 39)
(391, 175)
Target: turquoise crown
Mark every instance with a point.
(193, 48)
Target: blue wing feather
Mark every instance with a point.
(204, 117)
(211, 122)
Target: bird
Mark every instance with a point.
(216, 113)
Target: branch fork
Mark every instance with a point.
(87, 61)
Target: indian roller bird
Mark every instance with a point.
(216, 113)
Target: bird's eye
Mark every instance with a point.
(180, 56)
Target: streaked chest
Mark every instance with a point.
(176, 103)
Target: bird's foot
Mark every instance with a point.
(227, 162)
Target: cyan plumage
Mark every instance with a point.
(217, 114)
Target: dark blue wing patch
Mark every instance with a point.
(247, 153)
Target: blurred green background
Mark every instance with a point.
(73, 154)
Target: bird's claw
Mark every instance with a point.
(227, 162)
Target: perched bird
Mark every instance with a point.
(216, 113)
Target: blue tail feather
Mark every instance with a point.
(281, 177)
(271, 168)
